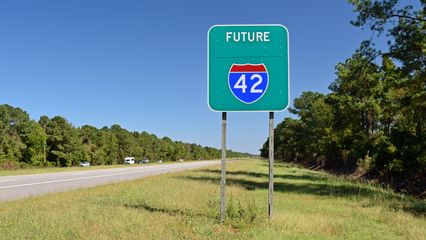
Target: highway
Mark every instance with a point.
(20, 186)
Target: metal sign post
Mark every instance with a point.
(271, 162)
(223, 170)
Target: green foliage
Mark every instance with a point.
(13, 124)
(35, 139)
(375, 115)
(55, 142)
(366, 163)
(241, 212)
(65, 147)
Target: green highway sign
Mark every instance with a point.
(248, 68)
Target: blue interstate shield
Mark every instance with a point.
(248, 82)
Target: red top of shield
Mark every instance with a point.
(248, 68)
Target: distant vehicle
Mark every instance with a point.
(180, 160)
(84, 164)
(129, 160)
(160, 161)
(146, 160)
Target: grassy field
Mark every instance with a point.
(308, 205)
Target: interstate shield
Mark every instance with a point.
(248, 82)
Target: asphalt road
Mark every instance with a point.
(20, 186)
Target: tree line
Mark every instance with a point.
(374, 118)
(56, 142)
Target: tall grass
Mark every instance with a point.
(307, 205)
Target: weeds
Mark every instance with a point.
(307, 205)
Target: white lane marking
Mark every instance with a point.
(8, 180)
(90, 177)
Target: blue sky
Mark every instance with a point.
(142, 64)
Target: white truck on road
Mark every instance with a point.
(129, 160)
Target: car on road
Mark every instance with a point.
(146, 160)
(85, 164)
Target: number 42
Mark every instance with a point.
(241, 83)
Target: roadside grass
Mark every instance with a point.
(185, 205)
(36, 170)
